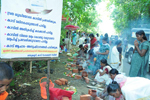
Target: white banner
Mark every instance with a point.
(30, 28)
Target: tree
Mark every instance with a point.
(129, 14)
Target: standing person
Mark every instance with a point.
(140, 58)
(128, 88)
(93, 41)
(74, 38)
(116, 56)
(102, 53)
(106, 35)
(67, 43)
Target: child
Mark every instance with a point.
(6, 76)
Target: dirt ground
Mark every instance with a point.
(33, 92)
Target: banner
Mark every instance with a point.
(30, 28)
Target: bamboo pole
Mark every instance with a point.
(48, 74)
(30, 66)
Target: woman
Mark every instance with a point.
(102, 53)
(128, 88)
(93, 41)
(102, 75)
(74, 38)
(140, 58)
(116, 56)
(67, 43)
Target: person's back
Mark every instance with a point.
(6, 76)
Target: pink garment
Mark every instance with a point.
(120, 79)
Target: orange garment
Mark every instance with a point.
(3, 95)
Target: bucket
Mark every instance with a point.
(43, 87)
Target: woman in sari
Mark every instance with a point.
(102, 53)
(128, 88)
(140, 58)
(116, 56)
(74, 38)
(102, 75)
(93, 41)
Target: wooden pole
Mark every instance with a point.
(48, 74)
(30, 66)
(11, 63)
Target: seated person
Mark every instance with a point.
(85, 41)
(81, 51)
(102, 75)
(128, 88)
(6, 76)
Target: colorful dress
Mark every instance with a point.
(133, 88)
(74, 39)
(104, 77)
(93, 41)
(139, 65)
(102, 49)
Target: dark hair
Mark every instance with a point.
(97, 35)
(105, 39)
(141, 32)
(114, 71)
(91, 35)
(118, 42)
(6, 71)
(80, 46)
(106, 35)
(85, 40)
(63, 39)
(113, 87)
(104, 61)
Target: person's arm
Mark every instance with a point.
(142, 53)
(105, 53)
(102, 73)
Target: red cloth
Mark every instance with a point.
(105, 70)
(58, 94)
(62, 47)
(93, 41)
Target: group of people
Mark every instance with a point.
(106, 65)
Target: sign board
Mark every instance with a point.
(30, 28)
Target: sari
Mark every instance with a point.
(115, 61)
(74, 39)
(140, 65)
(93, 41)
(102, 49)
(133, 88)
(104, 77)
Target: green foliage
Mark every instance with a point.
(82, 12)
(129, 13)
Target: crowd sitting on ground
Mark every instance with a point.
(105, 66)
